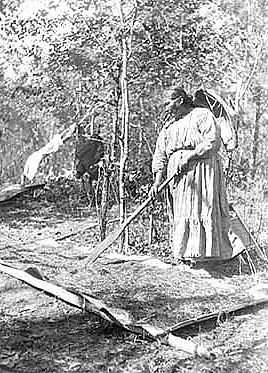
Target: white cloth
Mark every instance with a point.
(33, 161)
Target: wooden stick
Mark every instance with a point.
(82, 301)
(61, 238)
(91, 304)
(262, 253)
(151, 229)
(105, 244)
(82, 230)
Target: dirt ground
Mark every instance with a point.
(42, 334)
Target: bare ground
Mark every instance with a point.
(42, 334)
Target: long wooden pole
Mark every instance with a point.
(257, 246)
(91, 304)
(105, 244)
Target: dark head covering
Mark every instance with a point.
(178, 103)
(177, 93)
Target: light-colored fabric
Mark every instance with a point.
(33, 161)
(228, 133)
(53, 145)
(31, 165)
(197, 197)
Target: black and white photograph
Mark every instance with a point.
(133, 186)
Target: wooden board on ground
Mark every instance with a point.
(113, 315)
(11, 191)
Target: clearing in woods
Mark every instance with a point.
(39, 333)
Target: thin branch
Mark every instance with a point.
(133, 19)
(148, 144)
(253, 70)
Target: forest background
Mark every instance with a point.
(113, 61)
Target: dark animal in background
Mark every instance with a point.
(88, 153)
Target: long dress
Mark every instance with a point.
(197, 197)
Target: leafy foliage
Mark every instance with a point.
(61, 59)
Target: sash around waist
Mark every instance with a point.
(188, 147)
(176, 153)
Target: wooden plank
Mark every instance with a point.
(91, 304)
(11, 191)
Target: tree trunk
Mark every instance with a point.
(256, 135)
(103, 207)
(115, 136)
(124, 142)
(126, 42)
(140, 130)
(108, 172)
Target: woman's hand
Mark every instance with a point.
(184, 159)
(154, 190)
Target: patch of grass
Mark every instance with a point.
(40, 334)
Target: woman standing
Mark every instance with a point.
(188, 146)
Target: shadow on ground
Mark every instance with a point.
(74, 343)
